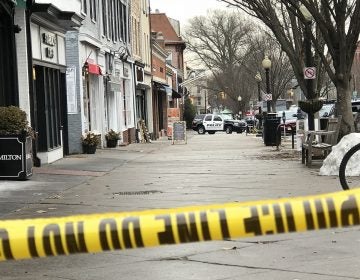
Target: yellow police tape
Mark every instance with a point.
(23, 239)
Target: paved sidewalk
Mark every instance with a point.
(209, 169)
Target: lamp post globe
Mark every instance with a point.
(239, 100)
(266, 63)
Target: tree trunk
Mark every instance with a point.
(343, 105)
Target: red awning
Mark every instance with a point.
(93, 68)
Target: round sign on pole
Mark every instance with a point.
(309, 73)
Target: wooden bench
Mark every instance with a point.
(318, 144)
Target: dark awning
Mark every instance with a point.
(176, 94)
(160, 87)
(166, 89)
(140, 85)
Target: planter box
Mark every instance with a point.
(111, 143)
(89, 149)
(16, 158)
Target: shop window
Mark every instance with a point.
(84, 6)
(139, 74)
(104, 17)
(123, 22)
(126, 103)
(93, 10)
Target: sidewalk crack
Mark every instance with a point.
(185, 258)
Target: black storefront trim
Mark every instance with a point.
(62, 68)
(9, 93)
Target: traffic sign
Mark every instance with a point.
(309, 73)
(267, 97)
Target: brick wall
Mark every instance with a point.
(157, 63)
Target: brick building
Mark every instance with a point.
(167, 31)
(160, 101)
(140, 43)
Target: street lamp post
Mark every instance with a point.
(239, 100)
(258, 80)
(266, 64)
(308, 60)
(205, 105)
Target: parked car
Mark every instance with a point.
(197, 120)
(211, 123)
(290, 120)
(250, 121)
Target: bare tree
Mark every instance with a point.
(337, 26)
(281, 71)
(227, 44)
(220, 41)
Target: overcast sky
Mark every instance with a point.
(182, 10)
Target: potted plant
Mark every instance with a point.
(112, 138)
(16, 158)
(90, 140)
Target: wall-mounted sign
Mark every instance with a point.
(49, 45)
(49, 39)
(71, 90)
(49, 53)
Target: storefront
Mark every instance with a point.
(113, 88)
(142, 96)
(160, 103)
(127, 95)
(49, 99)
(93, 100)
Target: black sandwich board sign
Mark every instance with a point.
(16, 159)
(179, 132)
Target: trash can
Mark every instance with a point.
(271, 123)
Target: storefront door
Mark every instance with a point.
(50, 97)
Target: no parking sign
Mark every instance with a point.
(309, 73)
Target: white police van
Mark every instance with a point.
(212, 123)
